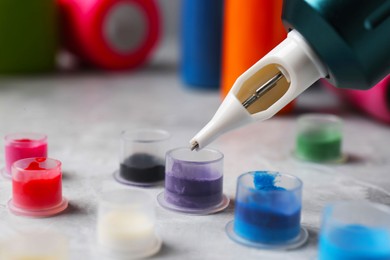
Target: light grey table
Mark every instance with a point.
(84, 113)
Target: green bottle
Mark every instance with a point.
(28, 36)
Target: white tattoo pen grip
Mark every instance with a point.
(300, 66)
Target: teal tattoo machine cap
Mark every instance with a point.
(346, 42)
(351, 37)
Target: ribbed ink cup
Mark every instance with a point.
(126, 225)
(194, 182)
(142, 157)
(21, 146)
(37, 188)
(355, 230)
(319, 138)
(268, 211)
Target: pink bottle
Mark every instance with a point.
(23, 145)
(375, 101)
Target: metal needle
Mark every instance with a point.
(194, 146)
(262, 90)
(249, 101)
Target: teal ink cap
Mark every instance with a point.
(355, 230)
(351, 37)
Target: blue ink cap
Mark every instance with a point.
(268, 211)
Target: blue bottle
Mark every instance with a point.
(201, 33)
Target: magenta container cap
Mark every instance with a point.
(37, 188)
(23, 145)
(194, 182)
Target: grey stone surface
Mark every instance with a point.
(84, 113)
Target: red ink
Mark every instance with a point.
(34, 166)
(36, 186)
(25, 140)
(37, 194)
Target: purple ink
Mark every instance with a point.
(194, 180)
(195, 193)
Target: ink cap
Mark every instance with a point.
(352, 229)
(319, 138)
(22, 145)
(267, 211)
(142, 157)
(126, 224)
(194, 182)
(37, 188)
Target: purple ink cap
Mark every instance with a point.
(194, 182)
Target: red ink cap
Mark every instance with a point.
(37, 188)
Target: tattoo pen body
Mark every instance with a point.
(346, 42)
(265, 88)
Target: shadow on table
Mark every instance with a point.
(313, 237)
(354, 159)
(67, 176)
(74, 209)
(165, 251)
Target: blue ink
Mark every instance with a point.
(355, 242)
(269, 213)
(265, 181)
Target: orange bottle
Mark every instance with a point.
(250, 31)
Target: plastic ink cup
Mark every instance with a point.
(142, 161)
(23, 145)
(35, 246)
(319, 138)
(355, 230)
(268, 211)
(194, 182)
(126, 224)
(37, 188)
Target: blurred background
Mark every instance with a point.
(208, 43)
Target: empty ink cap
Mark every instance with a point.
(194, 182)
(268, 211)
(42, 245)
(37, 188)
(351, 230)
(319, 138)
(23, 145)
(142, 157)
(126, 224)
